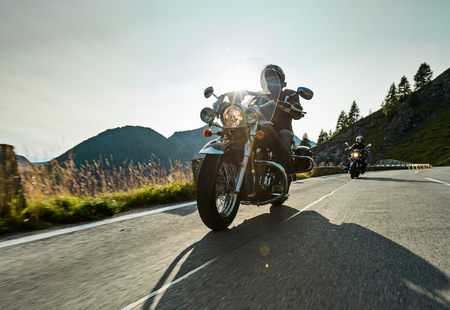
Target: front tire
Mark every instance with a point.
(216, 201)
(353, 170)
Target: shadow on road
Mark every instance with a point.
(314, 264)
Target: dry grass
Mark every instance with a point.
(100, 177)
(63, 193)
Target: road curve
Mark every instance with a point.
(377, 242)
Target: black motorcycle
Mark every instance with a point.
(356, 159)
(237, 169)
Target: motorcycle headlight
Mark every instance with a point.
(207, 115)
(356, 154)
(251, 115)
(232, 116)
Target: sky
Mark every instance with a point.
(70, 70)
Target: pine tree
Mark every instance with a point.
(326, 136)
(305, 140)
(341, 122)
(323, 136)
(404, 88)
(391, 102)
(353, 114)
(423, 76)
(392, 95)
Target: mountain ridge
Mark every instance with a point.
(136, 144)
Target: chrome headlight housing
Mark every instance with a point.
(207, 115)
(251, 116)
(232, 116)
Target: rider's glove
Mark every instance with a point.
(295, 111)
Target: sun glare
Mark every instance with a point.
(245, 75)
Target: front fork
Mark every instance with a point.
(247, 153)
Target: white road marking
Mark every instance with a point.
(322, 198)
(164, 288)
(90, 225)
(437, 181)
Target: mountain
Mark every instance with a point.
(24, 164)
(137, 144)
(189, 143)
(418, 132)
(297, 142)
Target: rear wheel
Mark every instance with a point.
(216, 201)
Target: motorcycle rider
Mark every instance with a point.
(359, 145)
(280, 135)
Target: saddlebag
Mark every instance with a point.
(302, 159)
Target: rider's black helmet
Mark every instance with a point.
(272, 73)
(359, 139)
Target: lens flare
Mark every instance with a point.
(265, 250)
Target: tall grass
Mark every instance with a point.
(61, 193)
(98, 177)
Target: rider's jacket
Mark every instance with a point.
(282, 119)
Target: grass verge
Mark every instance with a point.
(67, 209)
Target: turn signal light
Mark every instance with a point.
(259, 135)
(207, 133)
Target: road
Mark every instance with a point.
(377, 242)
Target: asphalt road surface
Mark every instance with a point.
(377, 242)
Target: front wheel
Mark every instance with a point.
(217, 202)
(353, 170)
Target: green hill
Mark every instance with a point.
(419, 132)
(137, 144)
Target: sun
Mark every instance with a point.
(244, 75)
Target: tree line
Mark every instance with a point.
(397, 94)
(394, 98)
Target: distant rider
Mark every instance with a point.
(280, 136)
(359, 145)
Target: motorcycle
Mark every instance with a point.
(237, 169)
(356, 159)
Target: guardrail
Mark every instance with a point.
(399, 166)
(326, 170)
(336, 169)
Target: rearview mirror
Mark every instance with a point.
(305, 93)
(208, 91)
(369, 145)
(346, 143)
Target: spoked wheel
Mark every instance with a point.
(216, 200)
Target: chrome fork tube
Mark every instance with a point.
(247, 153)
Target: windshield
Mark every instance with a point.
(246, 76)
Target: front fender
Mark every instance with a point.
(215, 147)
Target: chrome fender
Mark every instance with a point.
(214, 147)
